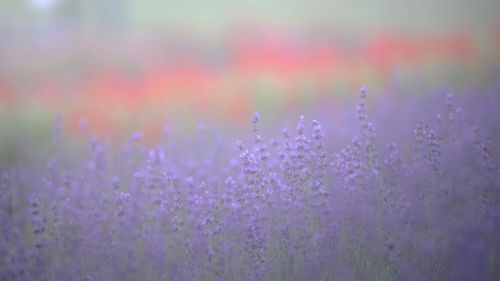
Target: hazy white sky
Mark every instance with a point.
(220, 15)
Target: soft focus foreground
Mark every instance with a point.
(311, 204)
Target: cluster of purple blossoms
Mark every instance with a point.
(299, 207)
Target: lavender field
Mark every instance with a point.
(367, 197)
(250, 140)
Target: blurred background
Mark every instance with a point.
(121, 66)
